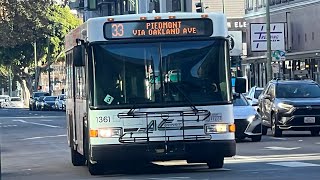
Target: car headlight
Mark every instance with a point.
(285, 106)
(219, 128)
(254, 118)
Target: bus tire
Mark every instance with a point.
(77, 159)
(216, 162)
(95, 169)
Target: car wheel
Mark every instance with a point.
(256, 138)
(315, 132)
(216, 162)
(264, 130)
(276, 131)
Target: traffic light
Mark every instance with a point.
(199, 7)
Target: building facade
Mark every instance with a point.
(301, 39)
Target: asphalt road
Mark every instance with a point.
(34, 147)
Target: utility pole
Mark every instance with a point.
(10, 82)
(223, 7)
(35, 65)
(269, 69)
(49, 70)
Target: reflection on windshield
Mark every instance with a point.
(157, 73)
(298, 91)
(50, 98)
(257, 93)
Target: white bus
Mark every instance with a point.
(150, 87)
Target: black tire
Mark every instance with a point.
(216, 162)
(315, 132)
(276, 131)
(95, 169)
(264, 130)
(256, 138)
(77, 159)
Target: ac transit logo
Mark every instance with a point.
(169, 124)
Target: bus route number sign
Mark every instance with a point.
(158, 28)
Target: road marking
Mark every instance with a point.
(276, 148)
(46, 120)
(40, 124)
(42, 137)
(6, 126)
(294, 164)
(318, 143)
(277, 138)
(31, 117)
(273, 158)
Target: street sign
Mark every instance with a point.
(278, 55)
(259, 36)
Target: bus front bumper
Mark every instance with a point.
(195, 151)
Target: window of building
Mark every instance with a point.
(312, 36)
(249, 4)
(305, 37)
(154, 5)
(175, 5)
(260, 3)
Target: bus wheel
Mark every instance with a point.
(77, 159)
(95, 169)
(216, 162)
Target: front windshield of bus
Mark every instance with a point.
(160, 74)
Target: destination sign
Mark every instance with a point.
(158, 28)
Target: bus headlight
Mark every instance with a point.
(110, 132)
(216, 128)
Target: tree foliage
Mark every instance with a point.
(23, 22)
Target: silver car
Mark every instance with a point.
(247, 120)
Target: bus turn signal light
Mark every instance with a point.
(93, 133)
(232, 128)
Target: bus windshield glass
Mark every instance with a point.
(160, 74)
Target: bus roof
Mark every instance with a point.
(93, 30)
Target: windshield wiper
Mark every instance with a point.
(192, 106)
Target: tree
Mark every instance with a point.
(22, 24)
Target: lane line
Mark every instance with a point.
(294, 164)
(42, 137)
(30, 117)
(40, 124)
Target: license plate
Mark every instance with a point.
(309, 120)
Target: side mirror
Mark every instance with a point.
(78, 56)
(240, 85)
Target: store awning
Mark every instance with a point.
(314, 54)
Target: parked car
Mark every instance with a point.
(4, 101)
(247, 120)
(16, 102)
(60, 103)
(290, 105)
(33, 99)
(39, 103)
(253, 96)
(48, 103)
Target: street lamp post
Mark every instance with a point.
(35, 65)
(269, 69)
(223, 7)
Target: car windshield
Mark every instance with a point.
(298, 91)
(240, 100)
(257, 93)
(50, 98)
(161, 74)
(62, 97)
(41, 94)
(15, 99)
